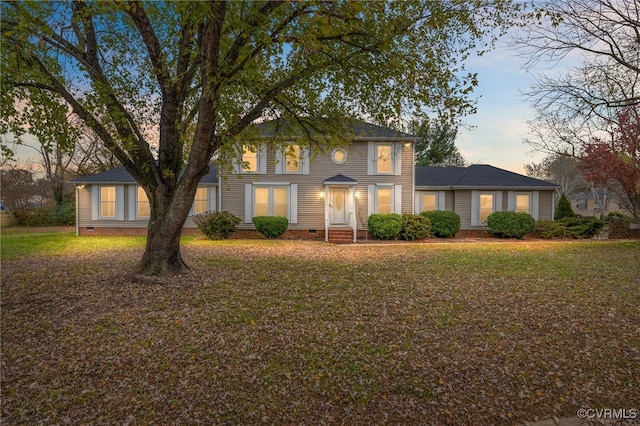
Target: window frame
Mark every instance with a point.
(336, 151)
(140, 190)
(102, 202)
(376, 204)
(435, 195)
(390, 160)
(480, 209)
(529, 195)
(246, 149)
(204, 200)
(271, 204)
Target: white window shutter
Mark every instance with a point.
(475, 212)
(262, 159)
(441, 202)
(535, 204)
(119, 202)
(293, 203)
(304, 157)
(95, 202)
(371, 158)
(211, 198)
(279, 160)
(417, 202)
(397, 159)
(371, 202)
(248, 202)
(397, 199)
(511, 201)
(133, 198)
(498, 202)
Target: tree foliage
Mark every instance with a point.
(166, 85)
(563, 209)
(436, 146)
(616, 164)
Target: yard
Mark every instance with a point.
(291, 332)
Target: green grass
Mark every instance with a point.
(290, 332)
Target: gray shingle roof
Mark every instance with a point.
(340, 178)
(120, 175)
(359, 128)
(476, 176)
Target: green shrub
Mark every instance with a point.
(271, 226)
(510, 224)
(217, 225)
(414, 227)
(582, 227)
(444, 224)
(570, 227)
(385, 226)
(563, 209)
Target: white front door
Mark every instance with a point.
(338, 206)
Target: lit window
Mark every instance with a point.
(271, 201)
(429, 201)
(523, 203)
(292, 159)
(201, 201)
(486, 206)
(384, 200)
(249, 159)
(143, 208)
(384, 162)
(108, 201)
(338, 156)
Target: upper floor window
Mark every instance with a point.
(338, 156)
(143, 209)
(249, 159)
(108, 201)
(292, 159)
(384, 160)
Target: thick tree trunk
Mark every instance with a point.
(162, 257)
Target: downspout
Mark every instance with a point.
(219, 207)
(77, 211)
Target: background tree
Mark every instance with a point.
(436, 146)
(561, 169)
(583, 103)
(616, 164)
(166, 85)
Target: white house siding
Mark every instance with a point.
(311, 186)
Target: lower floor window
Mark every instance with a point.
(384, 200)
(201, 201)
(523, 203)
(271, 201)
(486, 206)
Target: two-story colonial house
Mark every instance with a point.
(326, 194)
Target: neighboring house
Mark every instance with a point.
(590, 203)
(322, 194)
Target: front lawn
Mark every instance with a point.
(290, 332)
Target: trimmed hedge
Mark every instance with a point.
(414, 227)
(510, 224)
(444, 224)
(271, 226)
(385, 226)
(217, 225)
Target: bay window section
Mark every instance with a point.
(523, 203)
(108, 202)
(486, 206)
(143, 209)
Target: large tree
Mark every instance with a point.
(597, 42)
(166, 85)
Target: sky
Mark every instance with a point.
(500, 123)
